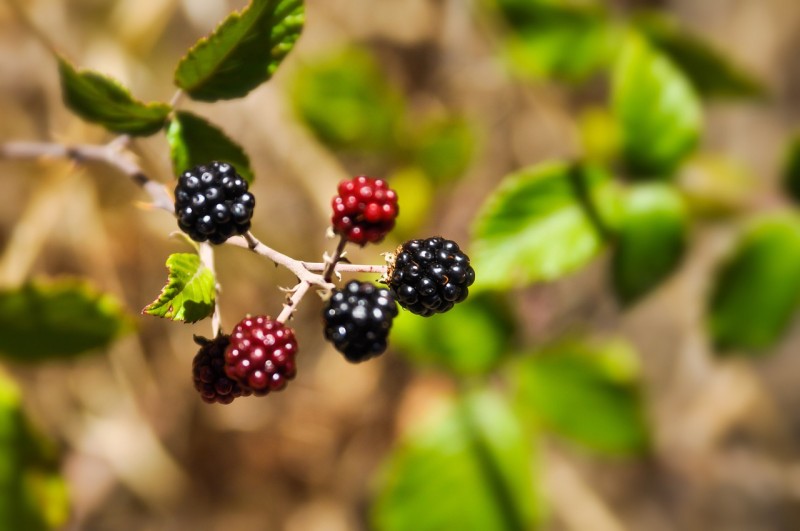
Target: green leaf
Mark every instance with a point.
(791, 169)
(650, 241)
(47, 320)
(243, 52)
(657, 108)
(470, 339)
(190, 291)
(193, 141)
(757, 290)
(442, 148)
(536, 226)
(102, 100)
(711, 73)
(469, 467)
(716, 185)
(33, 496)
(587, 393)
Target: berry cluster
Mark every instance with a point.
(261, 354)
(208, 369)
(212, 203)
(365, 210)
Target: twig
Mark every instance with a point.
(346, 268)
(331, 261)
(207, 258)
(299, 291)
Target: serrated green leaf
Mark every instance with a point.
(650, 241)
(536, 227)
(193, 141)
(470, 339)
(243, 52)
(470, 467)
(46, 320)
(791, 169)
(33, 496)
(657, 108)
(587, 393)
(757, 290)
(102, 100)
(190, 293)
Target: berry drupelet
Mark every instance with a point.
(429, 276)
(261, 354)
(208, 371)
(212, 203)
(365, 210)
(357, 320)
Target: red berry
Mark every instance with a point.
(365, 210)
(261, 354)
(209, 375)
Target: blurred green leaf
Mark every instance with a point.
(558, 40)
(470, 467)
(716, 185)
(658, 110)
(711, 73)
(470, 339)
(190, 291)
(45, 320)
(757, 290)
(442, 148)
(193, 141)
(33, 496)
(536, 227)
(102, 100)
(243, 52)
(418, 194)
(791, 169)
(651, 240)
(587, 393)
(348, 103)
(600, 135)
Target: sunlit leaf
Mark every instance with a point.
(243, 52)
(45, 320)
(442, 148)
(716, 185)
(190, 291)
(102, 100)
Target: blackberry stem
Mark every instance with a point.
(331, 262)
(206, 253)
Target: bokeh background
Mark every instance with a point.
(450, 118)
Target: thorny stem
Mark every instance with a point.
(207, 258)
(331, 261)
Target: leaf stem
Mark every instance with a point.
(206, 252)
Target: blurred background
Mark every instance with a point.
(628, 417)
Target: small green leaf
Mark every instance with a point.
(757, 290)
(243, 52)
(711, 73)
(470, 467)
(650, 241)
(34, 495)
(791, 169)
(470, 339)
(536, 227)
(190, 291)
(102, 100)
(47, 320)
(657, 108)
(587, 393)
(193, 141)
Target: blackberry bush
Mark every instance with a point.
(208, 371)
(358, 318)
(365, 210)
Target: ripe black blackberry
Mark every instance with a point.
(208, 371)
(429, 276)
(261, 354)
(358, 318)
(212, 203)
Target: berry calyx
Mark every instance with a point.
(429, 276)
(212, 203)
(261, 354)
(357, 320)
(365, 210)
(208, 372)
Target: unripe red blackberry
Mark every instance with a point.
(365, 210)
(429, 276)
(212, 203)
(358, 318)
(261, 354)
(208, 371)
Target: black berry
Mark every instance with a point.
(208, 371)
(261, 354)
(358, 318)
(212, 203)
(429, 276)
(365, 210)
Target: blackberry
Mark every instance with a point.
(261, 354)
(212, 203)
(365, 210)
(358, 318)
(209, 375)
(429, 276)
